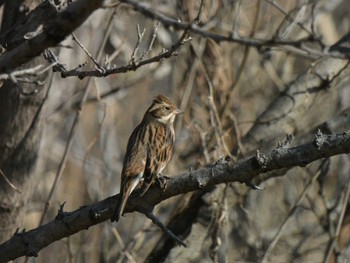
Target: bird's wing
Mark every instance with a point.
(133, 170)
(134, 162)
(158, 155)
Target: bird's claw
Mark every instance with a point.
(253, 186)
(162, 181)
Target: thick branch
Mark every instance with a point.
(52, 33)
(65, 224)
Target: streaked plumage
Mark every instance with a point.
(149, 149)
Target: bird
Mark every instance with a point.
(149, 149)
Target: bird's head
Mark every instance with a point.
(163, 109)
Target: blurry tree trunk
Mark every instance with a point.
(20, 129)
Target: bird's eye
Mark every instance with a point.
(167, 108)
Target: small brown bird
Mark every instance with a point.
(149, 149)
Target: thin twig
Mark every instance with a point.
(140, 235)
(288, 16)
(106, 35)
(35, 71)
(202, 136)
(197, 18)
(166, 53)
(122, 245)
(166, 230)
(339, 223)
(230, 93)
(114, 54)
(87, 52)
(9, 182)
(61, 166)
(233, 118)
(99, 127)
(140, 35)
(150, 46)
(274, 76)
(217, 228)
(191, 79)
(128, 84)
(214, 116)
(290, 214)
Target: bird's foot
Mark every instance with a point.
(162, 181)
(253, 186)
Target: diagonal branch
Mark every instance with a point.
(166, 230)
(223, 171)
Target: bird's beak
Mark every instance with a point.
(178, 111)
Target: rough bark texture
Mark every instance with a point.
(44, 27)
(20, 131)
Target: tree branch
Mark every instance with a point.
(223, 171)
(51, 33)
(295, 46)
(81, 74)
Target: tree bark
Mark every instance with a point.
(20, 130)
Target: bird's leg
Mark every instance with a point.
(141, 182)
(162, 181)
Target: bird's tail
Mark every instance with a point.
(119, 209)
(124, 196)
(144, 187)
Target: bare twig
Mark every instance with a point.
(216, 229)
(114, 55)
(214, 116)
(202, 136)
(166, 230)
(274, 76)
(140, 35)
(166, 53)
(333, 241)
(200, 9)
(150, 46)
(239, 147)
(9, 182)
(290, 214)
(87, 52)
(99, 127)
(289, 17)
(61, 167)
(35, 71)
(122, 245)
(192, 74)
(130, 246)
(230, 94)
(95, 138)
